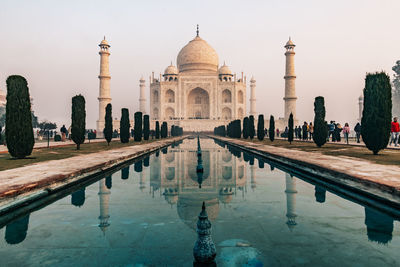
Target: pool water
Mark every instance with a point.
(146, 214)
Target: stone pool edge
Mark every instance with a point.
(379, 191)
(21, 194)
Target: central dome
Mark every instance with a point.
(197, 56)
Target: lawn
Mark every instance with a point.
(62, 152)
(386, 157)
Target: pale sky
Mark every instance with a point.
(54, 44)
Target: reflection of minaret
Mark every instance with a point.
(104, 197)
(291, 201)
(253, 177)
(142, 181)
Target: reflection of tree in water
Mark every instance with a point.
(108, 182)
(16, 231)
(78, 197)
(146, 161)
(164, 150)
(379, 226)
(248, 157)
(125, 173)
(260, 163)
(320, 194)
(138, 166)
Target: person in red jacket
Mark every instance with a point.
(395, 129)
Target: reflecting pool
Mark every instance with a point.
(145, 215)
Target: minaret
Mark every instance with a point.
(142, 98)
(253, 97)
(291, 201)
(104, 87)
(360, 107)
(290, 78)
(104, 197)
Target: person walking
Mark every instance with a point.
(395, 129)
(357, 129)
(63, 131)
(305, 134)
(346, 132)
(338, 130)
(331, 127)
(296, 133)
(311, 130)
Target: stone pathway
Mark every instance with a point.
(50, 174)
(384, 177)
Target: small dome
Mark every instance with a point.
(196, 56)
(290, 43)
(104, 42)
(171, 69)
(224, 70)
(252, 80)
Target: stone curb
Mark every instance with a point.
(21, 194)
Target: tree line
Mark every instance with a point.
(375, 122)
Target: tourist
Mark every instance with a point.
(357, 129)
(331, 127)
(63, 131)
(336, 132)
(286, 132)
(296, 134)
(305, 133)
(346, 132)
(277, 132)
(395, 129)
(311, 130)
(299, 132)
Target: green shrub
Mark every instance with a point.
(245, 127)
(290, 132)
(377, 112)
(260, 127)
(146, 127)
(57, 138)
(157, 130)
(78, 116)
(271, 130)
(108, 129)
(251, 130)
(124, 126)
(320, 128)
(138, 127)
(19, 130)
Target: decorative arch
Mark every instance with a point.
(155, 113)
(198, 104)
(240, 97)
(240, 113)
(170, 96)
(170, 173)
(227, 172)
(170, 157)
(169, 113)
(241, 172)
(226, 113)
(227, 156)
(155, 97)
(226, 96)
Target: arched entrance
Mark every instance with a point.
(198, 104)
(226, 113)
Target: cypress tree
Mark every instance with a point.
(260, 127)
(164, 130)
(124, 126)
(290, 133)
(108, 129)
(377, 112)
(245, 127)
(19, 130)
(78, 116)
(320, 128)
(138, 127)
(271, 130)
(252, 130)
(146, 127)
(157, 130)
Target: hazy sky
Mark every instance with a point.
(54, 44)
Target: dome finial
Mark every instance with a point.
(197, 31)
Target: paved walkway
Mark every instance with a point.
(339, 168)
(342, 142)
(41, 144)
(51, 174)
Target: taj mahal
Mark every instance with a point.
(198, 93)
